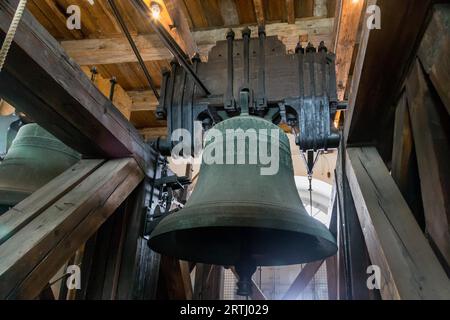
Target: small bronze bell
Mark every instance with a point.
(34, 158)
(238, 217)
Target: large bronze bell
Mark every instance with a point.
(238, 217)
(35, 158)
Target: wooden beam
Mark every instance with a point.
(435, 50)
(153, 133)
(321, 9)
(23, 213)
(139, 271)
(208, 282)
(356, 258)
(432, 142)
(404, 169)
(34, 254)
(117, 50)
(121, 99)
(259, 11)
(54, 91)
(409, 268)
(303, 279)
(290, 9)
(346, 38)
(176, 278)
(373, 93)
(143, 101)
(229, 13)
(174, 20)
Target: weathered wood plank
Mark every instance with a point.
(143, 101)
(117, 50)
(229, 12)
(321, 9)
(34, 254)
(409, 268)
(346, 37)
(432, 142)
(404, 169)
(259, 10)
(24, 212)
(181, 32)
(380, 72)
(290, 9)
(434, 52)
(76, 112)
(177, 282)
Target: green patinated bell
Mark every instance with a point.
(35, 158)
(238, 217)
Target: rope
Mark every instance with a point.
(12, 32)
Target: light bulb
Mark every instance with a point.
(156, 10)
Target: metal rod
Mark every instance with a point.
(113, 82)
(134, 47)
(178, 53)
(261, 100)
(229, 99)
(171, 45)
(246, 36)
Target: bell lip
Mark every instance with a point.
(301, 226)
(295, 220)
(323, 251)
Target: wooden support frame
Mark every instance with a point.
(380, 72)
(208, 283)
(259, 10)
(303, 279)
(177, 279)
(348, 22)
(76, 112)
(435, 50)
(409, 268)
(404, 168)
(33, 254)
(432, 142)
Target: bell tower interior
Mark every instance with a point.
(221, 150)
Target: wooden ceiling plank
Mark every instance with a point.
(196, 14)
(290, 9)
(321, 9)
(346, 38)
(260, 13)
(229, 13)
(180, 32)
(246, 12)
(110, 51)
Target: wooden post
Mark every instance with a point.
(208, 282)
(409, 268)
(303, 279)
(435, 50)
(432, 142)
(404, 170)
(354, 251)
